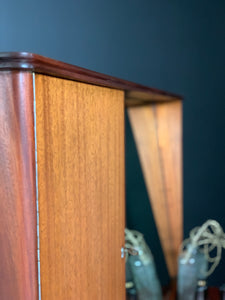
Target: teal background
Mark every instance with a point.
(174, 45)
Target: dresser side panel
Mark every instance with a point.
(80, 150)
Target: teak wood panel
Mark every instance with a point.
(80, 150)
(158, 137)
(18, 235)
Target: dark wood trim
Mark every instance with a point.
(40, 64)
(18, 226)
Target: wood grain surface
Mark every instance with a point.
(157, 131)
(80, 139)
(18, 246)
(40, 64)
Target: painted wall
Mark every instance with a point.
(173, 45)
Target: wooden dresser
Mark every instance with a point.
(62, 177)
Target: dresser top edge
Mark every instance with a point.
(135, 94)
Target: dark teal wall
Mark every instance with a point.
(173, 45)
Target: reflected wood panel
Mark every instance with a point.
(158, 137)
